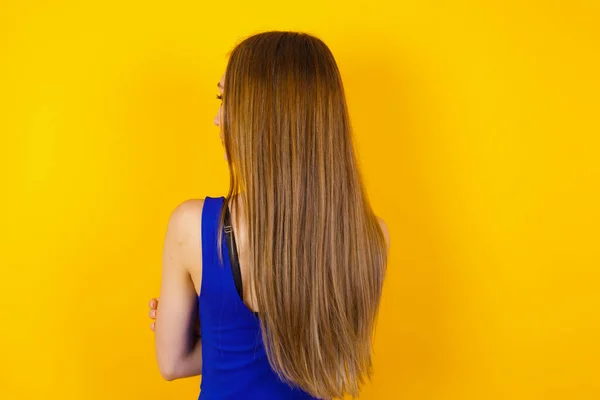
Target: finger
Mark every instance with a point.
(154, 304)
(152, 314)
(152, 326)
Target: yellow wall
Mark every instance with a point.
(477, 125)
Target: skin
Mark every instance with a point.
(176, 327)
(177, 344)
(217, 121)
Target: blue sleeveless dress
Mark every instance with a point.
(234, 362)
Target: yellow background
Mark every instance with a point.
(477, 127)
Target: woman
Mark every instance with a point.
(284, 274)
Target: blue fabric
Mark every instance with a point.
(234, 362)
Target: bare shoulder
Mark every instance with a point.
(189, 208)
(183, 231)
(384, 229)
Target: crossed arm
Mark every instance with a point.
(178, 347)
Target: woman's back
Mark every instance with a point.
(234, 362)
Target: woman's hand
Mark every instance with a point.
(152, 313)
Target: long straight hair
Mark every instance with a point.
(316, 250)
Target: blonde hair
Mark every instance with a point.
(316, 250)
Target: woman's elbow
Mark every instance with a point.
(168, 372)
(170, 368)
(169, 364)
(177, 370)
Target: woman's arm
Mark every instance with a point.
(178, 349)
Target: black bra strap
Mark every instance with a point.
(233, 254)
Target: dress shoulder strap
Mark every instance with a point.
(209, 226)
